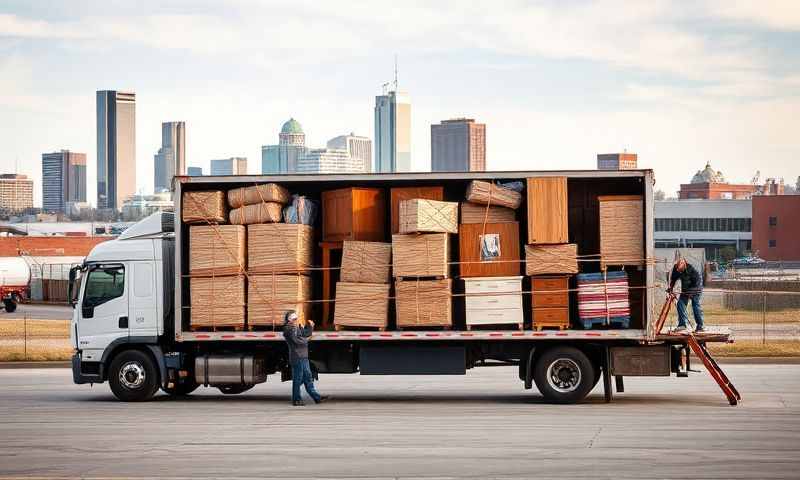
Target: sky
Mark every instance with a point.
(680, 83)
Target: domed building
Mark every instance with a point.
(708, 175)
(282, 158)
(710, 184)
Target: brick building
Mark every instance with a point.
(16, 192)
(617, 161)
(776, 227)
(709, 184)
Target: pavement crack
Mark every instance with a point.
(596, 434)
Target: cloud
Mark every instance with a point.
(771, 14)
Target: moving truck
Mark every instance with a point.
(131, 322)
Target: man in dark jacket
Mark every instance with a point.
(296, 334)
(691, 289)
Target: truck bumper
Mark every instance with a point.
(82, 373)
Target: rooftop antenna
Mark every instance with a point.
(395, 72)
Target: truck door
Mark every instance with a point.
(104, 309)
(142, 300)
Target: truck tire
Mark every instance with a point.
(564, 375)
(234, 389)
(10, 305)
(133, 376)
(181, 389)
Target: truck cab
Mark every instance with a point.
(118, 297)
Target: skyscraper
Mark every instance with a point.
(16, 192)
(229, 166)
(359, 148)
(393, 132)
(171, 157)
(458, 145)
(63, 179)
(116, 147)
(329, 160)
(282, 158)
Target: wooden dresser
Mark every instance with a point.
(550, 300)
(502, 308)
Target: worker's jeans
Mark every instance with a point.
(697, 309)
(301, 374)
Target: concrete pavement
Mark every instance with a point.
(39, 311)
(475, 426)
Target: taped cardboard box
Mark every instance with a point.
(216, 249)
(361, 305)
(398, 194)
(366, 262)
(267, 192)
(551, 259)
(419, 215)
(280, 248)
(270, 297)
(476, 213)
(487, 193)
(425, 255)
(217, 302)
(204, 207)
(267, 212)
(423, 303)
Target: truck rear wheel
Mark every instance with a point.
(133, 376)
(564, 375)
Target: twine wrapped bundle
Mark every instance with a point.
(487, 193)
(420, 255)
(361, 305)
(216, 249)
(423, 303)
(204, 207)
(621, 230)
(476, 213)
(266, 212)
(217, 302)
(420, 215)
(551, 259)
(267, 192)
(366, 262)
(269, 297)
(279, 248)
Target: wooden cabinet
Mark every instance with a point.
(407, 193)
(547, 210)
(493, 301)
(473, 261)
(550, 300)
(353, 214)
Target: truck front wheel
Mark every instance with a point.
(564, 375)
(133, 376)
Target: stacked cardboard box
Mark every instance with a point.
(362, 295)
(621, 230)
(419, 215)
(423, 303)
(269, 297)
(204, 207)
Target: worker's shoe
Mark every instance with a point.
(298, 403)
(322, 398)
(699, 330)
(681, 329)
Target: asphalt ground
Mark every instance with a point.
(481, 425)
(42, 311)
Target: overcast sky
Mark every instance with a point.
(680, 83)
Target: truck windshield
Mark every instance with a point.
(104, 284)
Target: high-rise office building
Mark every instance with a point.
(329, 160)
(63, 179)
(16, 192)
(194, 171)
(229, 166)
(458, 145)
(393, 132)
(359, 148)
(282, 158)
(116, 147)
(171, 157)
(616, 161)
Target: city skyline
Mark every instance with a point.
(563, 81)
(171, 157)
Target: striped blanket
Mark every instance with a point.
(603, 298)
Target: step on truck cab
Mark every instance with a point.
(131, 310)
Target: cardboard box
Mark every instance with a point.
(366, 262)
(551, 259)
(269, 297)
(217, 302)
(428, 216)
(423, 303)
(477, 213)
(425, 255)
(621, 230)
(216, 249)
(361, 305)
(267, 212)
(490, 250)
(398, 194)
(268, 192)
(204, 207)
(280, 248)
(487, 193)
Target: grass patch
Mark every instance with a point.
(34, 340)
(756, 348)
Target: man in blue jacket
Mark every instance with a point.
(691, 289)
(296, 333)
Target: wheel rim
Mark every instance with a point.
(564, 375)
(132, 375)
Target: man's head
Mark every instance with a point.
(290, 317)
(680, 265)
